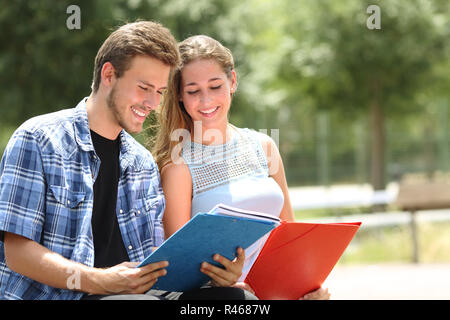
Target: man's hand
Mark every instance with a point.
(35, 261)
(228, 276)
(125, 278)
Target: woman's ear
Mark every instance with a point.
(233, 80)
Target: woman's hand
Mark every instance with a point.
(228, 276)
(319, 294)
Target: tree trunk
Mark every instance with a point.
(322, 149)
(377, 128)
(428, 150)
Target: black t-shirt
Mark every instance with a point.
(108, 244)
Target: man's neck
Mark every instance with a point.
(100, 117)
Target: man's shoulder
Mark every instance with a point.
(135, 145)
(48, 123)
(53, 132)
(141, 154)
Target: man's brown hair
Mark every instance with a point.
(138, 38)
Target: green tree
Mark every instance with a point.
(44, 65)
(342, 65)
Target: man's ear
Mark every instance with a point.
(108, 75)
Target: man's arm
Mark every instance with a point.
(36, 262)
(22, 195)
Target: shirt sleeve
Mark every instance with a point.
(22, 187)
(158, 235)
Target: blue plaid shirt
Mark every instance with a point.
(47, 175)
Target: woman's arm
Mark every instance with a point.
(177, 185)
(276, 171)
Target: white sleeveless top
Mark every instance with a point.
(235, 174)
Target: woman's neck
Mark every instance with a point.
(212, 136)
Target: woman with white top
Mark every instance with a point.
(204, 160)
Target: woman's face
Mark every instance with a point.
(206, 93)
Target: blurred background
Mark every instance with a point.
(361, 112)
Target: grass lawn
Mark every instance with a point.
(393, 244)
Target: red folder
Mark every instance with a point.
(298, 257)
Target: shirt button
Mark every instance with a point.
(138, 212)
(130, 247)
(121, 211)
(68, 201)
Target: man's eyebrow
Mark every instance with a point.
(151, 85)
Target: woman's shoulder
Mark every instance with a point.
(260, 136)
(269, 147)
(176, 170)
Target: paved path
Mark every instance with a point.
(390, 282)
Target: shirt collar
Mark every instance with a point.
(81, 125)
(128, 156)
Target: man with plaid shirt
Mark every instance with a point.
(79, 197)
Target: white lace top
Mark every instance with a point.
(235, 174)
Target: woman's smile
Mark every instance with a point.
(209, 112)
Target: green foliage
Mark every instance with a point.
(327, 59)
(299, 63)
(44, 65)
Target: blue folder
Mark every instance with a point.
(198, 240)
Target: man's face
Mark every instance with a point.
(138, 92)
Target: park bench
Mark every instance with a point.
(418, 196)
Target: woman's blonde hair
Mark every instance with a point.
(172, 114)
